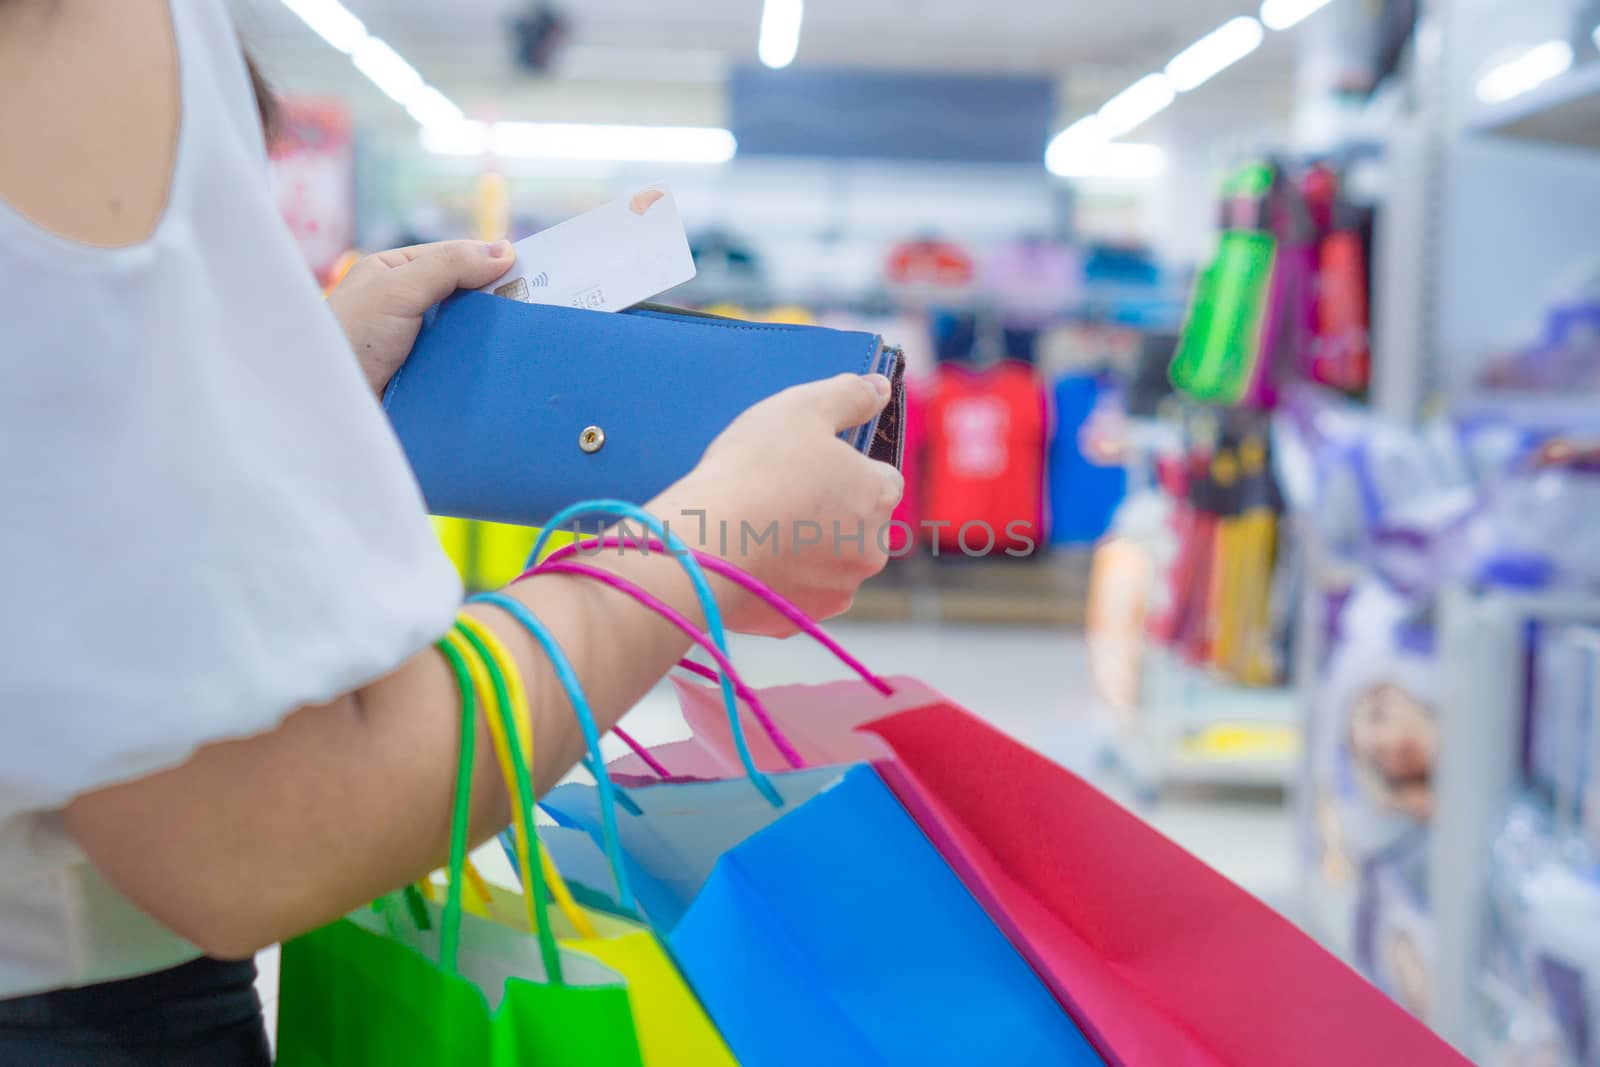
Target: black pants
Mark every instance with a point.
(202, 1014)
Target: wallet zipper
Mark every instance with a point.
(668, 309)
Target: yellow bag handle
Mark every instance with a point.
(511, 718)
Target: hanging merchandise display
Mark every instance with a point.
(1184, 608)
(1286, 295)
(1340, 354)
(984, 486)
(1085, 489)
(930, 261)
(1222, 341)
(1033, 282)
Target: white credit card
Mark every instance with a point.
(605, 260)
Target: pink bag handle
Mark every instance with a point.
(752, 585)
(552, 565)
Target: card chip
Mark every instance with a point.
(516, 290)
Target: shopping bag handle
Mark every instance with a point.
(514, 749)
(679, 551)
(568, 678)
(682, 622)
(489, 680)
(461, 809)
(750, 584)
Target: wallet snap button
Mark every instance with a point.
(591, 439)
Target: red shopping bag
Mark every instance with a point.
(1167, 961)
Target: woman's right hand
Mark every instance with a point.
(781, 495)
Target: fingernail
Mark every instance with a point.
(498, 249)
(879, 383)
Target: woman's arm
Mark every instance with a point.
(254, 841)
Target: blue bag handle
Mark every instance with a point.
(585, 715)
(618, 509)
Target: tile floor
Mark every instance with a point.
(1032, 683)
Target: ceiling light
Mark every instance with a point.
(430, 107)
(1526, 72)
(780, 32)
(1281, 14)
(387, 69)
(456, 139)
(1113, 162)
(1214, 53)
(331, 21)
(1087, 129)
(552, 140)
(1135, 105)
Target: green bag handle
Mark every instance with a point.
(536, 888)
(460, 818)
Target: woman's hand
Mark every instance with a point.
(781, 495)
(381, 301)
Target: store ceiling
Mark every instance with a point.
(1093, 43)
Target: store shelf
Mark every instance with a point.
(1192, 728)
(1563, 111)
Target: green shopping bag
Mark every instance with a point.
(406, 983)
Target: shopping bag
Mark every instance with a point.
(713, 865)
(672, 1027)
(1173, 963)
(819, 902)
(841, 911)
(1161, 960)
(407, 982)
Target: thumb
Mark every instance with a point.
(845, 401)
(434, 271)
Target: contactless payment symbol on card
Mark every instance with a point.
(611, 258)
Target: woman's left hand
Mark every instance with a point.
(381, 300)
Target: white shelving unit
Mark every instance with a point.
(1484, 649)
(1486, 208)
(1564, 111)
(1192, 728)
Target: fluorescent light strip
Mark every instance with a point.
(331, 21)
(780, 32)
(1526, 72)
(387, 69)
(383, 66)
(430, 107)
(550, 140)
(1113, 162)
(1214, 53)
(1136, 105)
(1282, 14)
(1154, 93)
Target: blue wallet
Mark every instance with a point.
(509, 411)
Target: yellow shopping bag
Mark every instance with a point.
(672, 1027)
(488, 555)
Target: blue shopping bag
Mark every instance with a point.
(834, 932)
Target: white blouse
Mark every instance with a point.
(205, 520)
